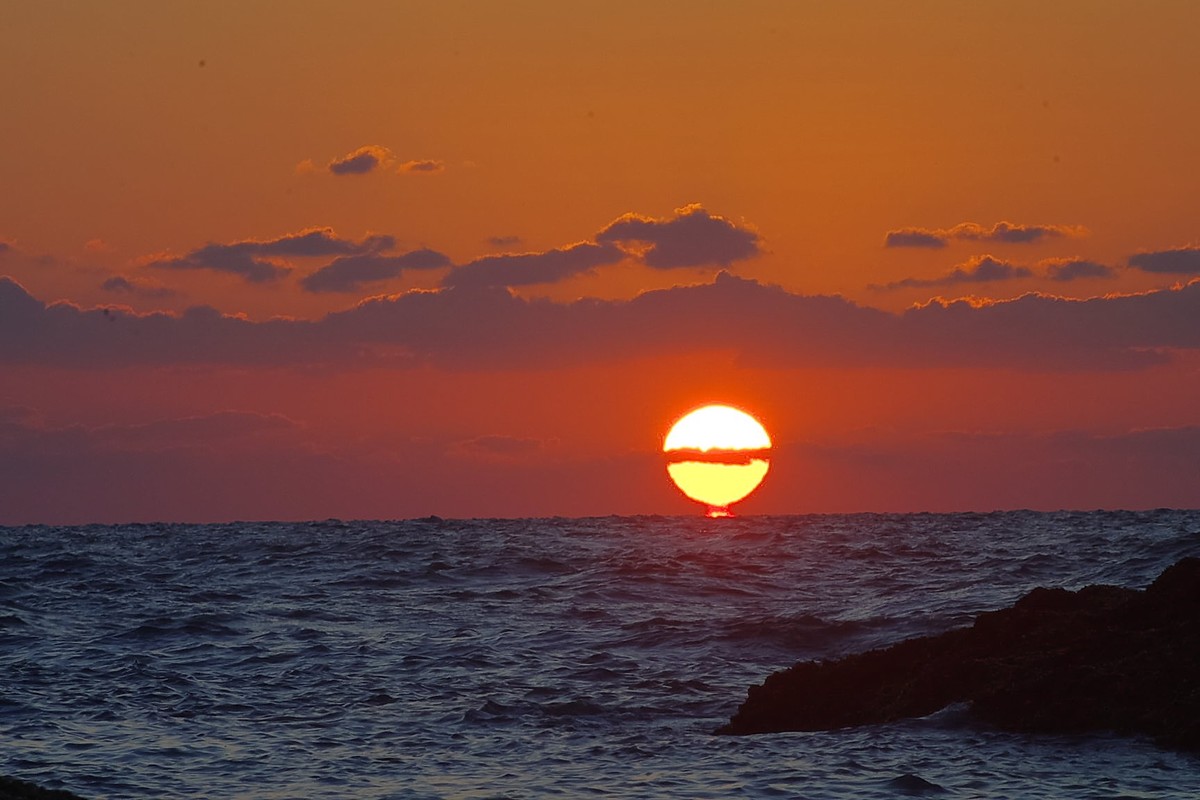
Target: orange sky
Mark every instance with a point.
(798, 181)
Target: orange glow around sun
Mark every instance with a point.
(717, 455)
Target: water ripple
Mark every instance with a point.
(529, 658)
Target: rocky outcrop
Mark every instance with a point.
(13, 789)
(1103, 658)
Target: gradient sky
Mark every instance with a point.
(286, 260)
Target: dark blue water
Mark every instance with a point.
(529, 658)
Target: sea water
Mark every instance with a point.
(531, 658)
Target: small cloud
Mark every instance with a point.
(348, 273)
(1071, 269)
(318, 242)
(504, 241)
(257, 261)
(306, 167)
(691, 238)
(97, 246)
(361, 161)
(1178, 261)
(1003, 232)
(1014, 234)
(977, 269)
(526, 269)
(226, 258)
(914, 237)
(425, 166)
(119, 284)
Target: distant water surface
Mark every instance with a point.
(530, 658)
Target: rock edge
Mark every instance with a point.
(1103, 658)
(14, 789)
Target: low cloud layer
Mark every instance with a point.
(1003, 232)
(487, 327)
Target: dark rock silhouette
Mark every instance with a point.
(1103, 658)
(13, 789)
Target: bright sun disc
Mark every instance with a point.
(717, 455)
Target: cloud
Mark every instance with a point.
(222, 258)
(361, 161)
(525, 269)
(504, 241)
(348, 273)
(691, 238)
(914, 237)
(119, 284)
(1004, 232)
(977, 269)
(1179, 261)
(1071, 269)
(485, 326)
(257, 261)
(317, 242)
(425, 166)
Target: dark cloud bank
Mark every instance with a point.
(484, 327)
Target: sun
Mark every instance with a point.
(717, 455)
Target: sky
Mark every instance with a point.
(300, 260)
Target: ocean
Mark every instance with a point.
(531, 658)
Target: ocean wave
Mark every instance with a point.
(532, 658)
